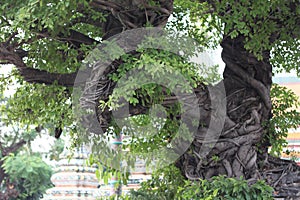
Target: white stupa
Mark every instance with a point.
(72, 178)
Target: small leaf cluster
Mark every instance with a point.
(56, 149)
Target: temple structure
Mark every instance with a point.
(73, 180)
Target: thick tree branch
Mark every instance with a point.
(75, 38)
(13, 148)
(32, 75)
(41, 76)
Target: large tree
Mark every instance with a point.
(46, 42)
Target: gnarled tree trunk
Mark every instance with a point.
(240, 150)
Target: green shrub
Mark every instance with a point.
(222, 188)
(169, 184)
(30, 173)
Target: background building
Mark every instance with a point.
(293, 137)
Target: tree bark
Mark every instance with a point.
(240, 150)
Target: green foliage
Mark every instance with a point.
(252, 20)
(37, 104)
(168, 184)
(164, 185)
(266, 25)
(43, 23)
(286, 56)
(41, 28)
(221, 188)
(24, 169)
(285, 117)
(31, 174)
(196, 21)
